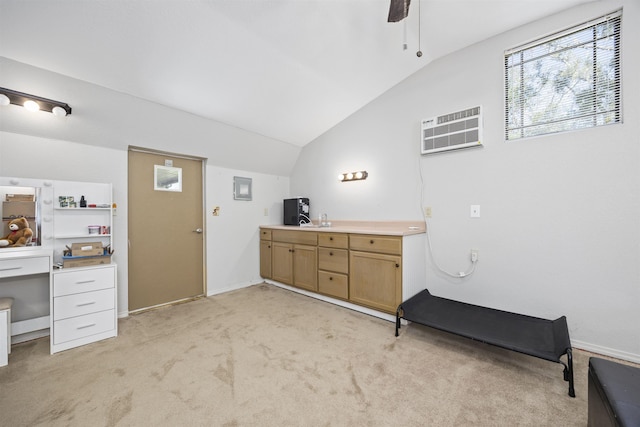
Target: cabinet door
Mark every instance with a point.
(375, 280)
(265, 259)
(282, 262)
(305, 267)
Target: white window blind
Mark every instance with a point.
(570, 80)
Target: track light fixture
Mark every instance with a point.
(33, 103)
(353, 176)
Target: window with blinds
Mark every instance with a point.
(568, 81)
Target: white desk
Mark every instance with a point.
(16, 262)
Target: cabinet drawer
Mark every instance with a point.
(84, 303)
(265, 234)
(333, 284)
(73, 282)
(333, 260)
(374, 243)
(291, 236)
(83, 326)
(333, 240)
(24, 266)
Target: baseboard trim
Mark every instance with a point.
(606, 351)
(29, 336)
(30, 325)
(232, 288)
(345, 304)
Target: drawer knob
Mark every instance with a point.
(330, 253)
(371, 241)
(330, 238)
(330, 278)
(397, 265)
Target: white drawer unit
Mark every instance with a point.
(84, 303)
(74, 281)
(83, 306)
(83, 327)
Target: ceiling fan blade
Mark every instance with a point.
(398, 10)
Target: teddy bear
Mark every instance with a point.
(19, 235)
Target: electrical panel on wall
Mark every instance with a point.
(453, 131)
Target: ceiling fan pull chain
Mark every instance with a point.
(419, 52)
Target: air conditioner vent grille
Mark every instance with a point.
(461, 129)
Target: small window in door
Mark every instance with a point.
(167, 178)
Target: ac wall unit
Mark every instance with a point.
(462, 129)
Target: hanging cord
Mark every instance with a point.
(404, 34)
(457, 275)
(419, 52)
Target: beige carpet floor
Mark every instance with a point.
(265, 356)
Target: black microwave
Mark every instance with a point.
(296, 211)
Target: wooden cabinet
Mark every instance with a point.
(373, 272)
(265, 254)
(305, 267)
(294, 258)
(333, 265)
(83, 306)
(282, 262)
(375, 280)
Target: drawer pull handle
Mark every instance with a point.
(90, 325)
(82, 282)
(10, 268)
(82, 304)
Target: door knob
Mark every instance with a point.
(198, 230)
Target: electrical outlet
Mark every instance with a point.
(427, 211)
(475, 211)
(266, 211)
(474, 255)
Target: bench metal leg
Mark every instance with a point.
(568, 373)
(397, 320)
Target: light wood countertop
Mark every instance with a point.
(388, 228)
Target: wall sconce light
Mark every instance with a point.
(33, 103)
(353, 176)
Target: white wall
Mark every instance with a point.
(560, 227)
(232, 237)
(91, 145)
(67, 161)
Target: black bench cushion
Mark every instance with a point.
(538, 337)
(621, 385)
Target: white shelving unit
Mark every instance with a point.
(71, 224)
(83, 299)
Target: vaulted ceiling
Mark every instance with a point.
(286, 69)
